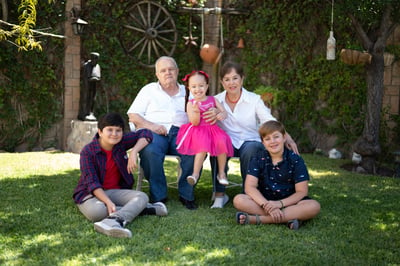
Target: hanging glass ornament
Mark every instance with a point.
(331, 42)
(330, 47)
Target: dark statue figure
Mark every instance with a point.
(91, 77)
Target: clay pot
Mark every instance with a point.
(354, 57)
(209, 53)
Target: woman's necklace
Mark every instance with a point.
(229, 99)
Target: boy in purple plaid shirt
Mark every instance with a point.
(104, 192)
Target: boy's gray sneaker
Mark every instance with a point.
(112, 227)
(160, 208)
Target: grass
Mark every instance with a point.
(40, 225)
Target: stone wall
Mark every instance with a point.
(391, 98)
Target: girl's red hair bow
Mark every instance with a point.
(186, 78)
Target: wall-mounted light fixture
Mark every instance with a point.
(78, 24)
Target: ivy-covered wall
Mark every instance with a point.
(31, 83)
(284, 52)
(289, 38)
(122, 75)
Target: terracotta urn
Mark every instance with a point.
(209, 53)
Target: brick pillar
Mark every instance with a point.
(391, 97)
(391, 82)
(212, 30)
(72, 66)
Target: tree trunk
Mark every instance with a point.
(368, 144)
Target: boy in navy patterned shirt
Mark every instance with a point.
(276, 184)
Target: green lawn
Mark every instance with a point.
(40, 225)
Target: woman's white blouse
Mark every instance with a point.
(242, 124)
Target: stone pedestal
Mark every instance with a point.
(82, 132)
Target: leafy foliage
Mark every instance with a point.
(31, 84)
(23, 32)
(325, 95)
(123, 77)
(285, 44)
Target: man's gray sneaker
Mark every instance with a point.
(159, 207)
(220, 202)
(112, 227)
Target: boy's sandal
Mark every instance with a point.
(293, 224)
(247, 220)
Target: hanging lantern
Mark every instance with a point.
(331, 42)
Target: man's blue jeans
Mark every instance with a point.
(245, 152)
(152, 161)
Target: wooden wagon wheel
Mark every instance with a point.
(148, 31)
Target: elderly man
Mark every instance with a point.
(160, 107)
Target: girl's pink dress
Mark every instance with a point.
(203, 137)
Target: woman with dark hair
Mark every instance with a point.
(246, 111)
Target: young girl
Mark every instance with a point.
(199, 137)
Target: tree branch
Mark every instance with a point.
(34, 31)
(386, 28)
(366, 42)
(386, 21)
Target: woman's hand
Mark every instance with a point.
(290, 144)
(221, 116)
(210, 116)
